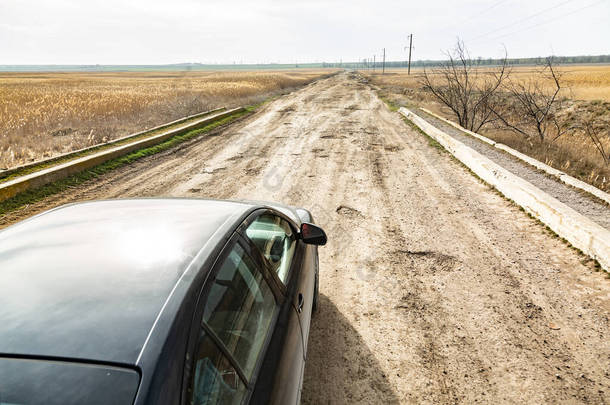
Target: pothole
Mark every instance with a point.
(430, 259)
(348, 211)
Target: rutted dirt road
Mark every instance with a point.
(434, 289)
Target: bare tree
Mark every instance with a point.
(534, 104)
(468, 89)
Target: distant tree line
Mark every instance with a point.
(345, 65)
(480, 62)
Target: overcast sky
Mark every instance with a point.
(211, 31)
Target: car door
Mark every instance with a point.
(308, 262)
(276, 240)
(234, 321)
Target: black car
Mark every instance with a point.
(157, 301)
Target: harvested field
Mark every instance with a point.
(45, 114)
(583, 82)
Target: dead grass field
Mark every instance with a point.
(587, 90)
(46, 114)
(583, 82)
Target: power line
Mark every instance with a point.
(496, 4)
(459, 23)
(521, 21)
(549, 21)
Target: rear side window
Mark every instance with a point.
(240, 308)
(238, 312)
(215, 380)
(274, 238)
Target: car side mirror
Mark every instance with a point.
(313, 234)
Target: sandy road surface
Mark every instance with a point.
(433, 288)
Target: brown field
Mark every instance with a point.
(46, 114)
(587, 89)
(583, 82)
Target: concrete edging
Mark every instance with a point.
(37, 179)
(577, 229)
(8, 172)
(565, 178)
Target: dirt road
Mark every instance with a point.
(434, 289)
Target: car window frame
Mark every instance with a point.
(198, 325)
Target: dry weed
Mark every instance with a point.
(45, 114)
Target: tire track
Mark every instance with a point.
(433, 288)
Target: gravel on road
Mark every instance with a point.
(434, 289)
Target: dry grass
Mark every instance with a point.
(588, 93)
(45, 114)
(587, 83)
(583, 82)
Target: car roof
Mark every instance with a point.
(89, 281)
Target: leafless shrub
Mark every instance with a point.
(534, 106)
(468, 89)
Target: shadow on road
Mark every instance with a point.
(340, 368)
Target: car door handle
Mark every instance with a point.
(300, 303)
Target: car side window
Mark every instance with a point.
(215, 380)
(240, 308)
(274, 238)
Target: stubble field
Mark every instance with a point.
(46, 114)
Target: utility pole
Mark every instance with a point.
(383, 65)
(374, 63)
(410, 47)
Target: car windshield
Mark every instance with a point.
(26, 381)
